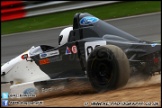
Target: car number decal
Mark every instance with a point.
(90, 46)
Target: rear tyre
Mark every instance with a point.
(108, 68)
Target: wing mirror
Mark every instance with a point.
(25, 56)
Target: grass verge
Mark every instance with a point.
(116, 10)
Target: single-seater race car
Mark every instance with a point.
(92, 50)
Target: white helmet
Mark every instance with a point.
(64, 35)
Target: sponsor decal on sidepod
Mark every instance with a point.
(67, 51)
(74, 49)
(49, 54)
(30, 91)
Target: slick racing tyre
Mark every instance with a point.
(108, 68)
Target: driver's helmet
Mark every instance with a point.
(64, 35)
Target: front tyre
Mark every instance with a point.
(108, 68)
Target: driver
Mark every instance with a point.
(64, 36)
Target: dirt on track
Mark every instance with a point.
(137, 92)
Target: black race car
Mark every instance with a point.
(91, 50)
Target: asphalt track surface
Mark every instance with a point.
(146, 27)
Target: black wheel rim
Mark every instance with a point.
(102, 71)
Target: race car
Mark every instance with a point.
(92, 50)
